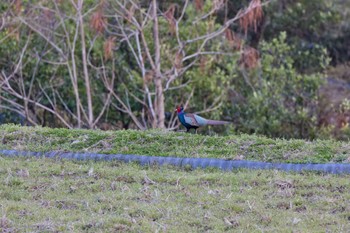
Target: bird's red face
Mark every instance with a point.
(179, 109)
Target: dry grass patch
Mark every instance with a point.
(60, 195)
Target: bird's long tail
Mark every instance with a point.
(213, 122)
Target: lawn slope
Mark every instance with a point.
(51, 195)
(164, 143)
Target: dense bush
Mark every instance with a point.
(275, 99)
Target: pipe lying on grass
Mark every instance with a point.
(227, 165)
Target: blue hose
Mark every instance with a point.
(226, 165)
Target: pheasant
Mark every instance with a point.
(190, 120)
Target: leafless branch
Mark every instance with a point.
(59, 50)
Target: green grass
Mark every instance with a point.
(49, 195)
(164, 143)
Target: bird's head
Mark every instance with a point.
(179, 109)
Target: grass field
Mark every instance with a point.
(48, 195)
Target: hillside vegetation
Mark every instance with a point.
(51, 195)
(277, 68)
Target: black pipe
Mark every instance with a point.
(227, 165)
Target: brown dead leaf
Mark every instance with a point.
(108, 47)
(98, 21)
(249, 58)
(251, 16)
(198, 5)
(169, 16)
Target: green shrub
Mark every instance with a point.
(276, 100)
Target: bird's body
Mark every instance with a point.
(193, 121)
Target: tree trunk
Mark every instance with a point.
(85, 68)
(158, 122)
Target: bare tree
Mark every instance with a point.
(138, 26)
(54, 27)
(132, 23)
